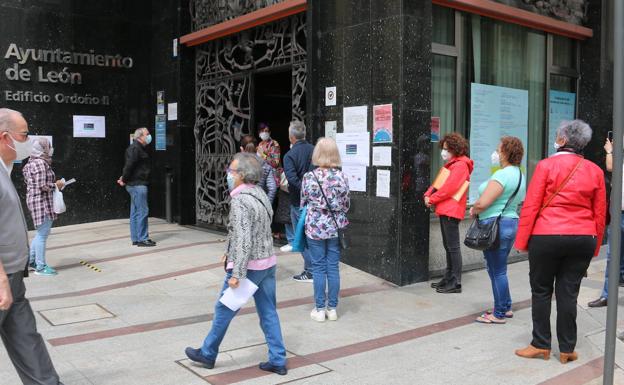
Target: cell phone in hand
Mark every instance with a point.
(610, 136)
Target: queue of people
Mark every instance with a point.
(559, 221)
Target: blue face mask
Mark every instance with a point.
(148, 139)
(230, 181)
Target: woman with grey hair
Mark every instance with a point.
(248, 255)
(561, 226)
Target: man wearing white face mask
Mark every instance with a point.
(18, 327)
(135, 179)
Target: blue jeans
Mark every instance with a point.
(605, 289)
(294, 219)
(325, 254)
(496, 262)
(138, 213)
(290, 233)
(38, 244)
(266, 308)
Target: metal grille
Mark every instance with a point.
(205, 13)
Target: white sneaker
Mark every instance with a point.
(286, 248)
(318, 315)
(332, 315)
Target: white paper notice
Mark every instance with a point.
(330, 96)
(382, 156)
(234, 299)
(354, 148)
(330, 129)
(383, 183)
(355, 119)
(86, 126)
(172, 111)
(356, 177)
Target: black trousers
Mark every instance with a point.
(450, 239)
(559, 260)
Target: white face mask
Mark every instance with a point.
(495, 158)
(22, 149)
(265, 136)
(557, 146)
(445, 155)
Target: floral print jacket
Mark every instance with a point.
(319, 221)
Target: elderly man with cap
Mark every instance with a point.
(18, 327)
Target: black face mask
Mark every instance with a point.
(567, 148)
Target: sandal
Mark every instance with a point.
(508, 314)
(486, 318)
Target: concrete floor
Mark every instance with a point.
(118, 314)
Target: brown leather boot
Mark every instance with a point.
(533, 352)
(567, 357)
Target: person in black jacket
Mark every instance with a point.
(297, 162)
(135, 179)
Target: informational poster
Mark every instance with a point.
(172, 111)
(87, 126)
(435, 129)
(355, 119)
(160, 102)
(354, 148)
(382, 156)
(562, 107)
(383, 183)
(494, 112)
(161, 132)
(382, 123)
(330, 96)
(331, 129)
(356, 177)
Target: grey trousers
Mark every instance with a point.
(24, 344)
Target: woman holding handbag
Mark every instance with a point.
(499, 198)
(40, 185)
(450, 206)
(561, 225)
(325, 192)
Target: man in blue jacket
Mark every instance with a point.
(297, 162)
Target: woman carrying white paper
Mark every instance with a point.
(249, 255)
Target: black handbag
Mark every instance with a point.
(344, 244)
(485, 236)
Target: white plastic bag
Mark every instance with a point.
(58, 202)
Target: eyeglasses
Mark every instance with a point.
(24, 134)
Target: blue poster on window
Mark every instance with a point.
(562, 107)
(494, 112)
(161, 132)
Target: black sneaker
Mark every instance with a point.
(147, 243)
(268, 367)
(195, 355)
(304, 277)
(135, 243)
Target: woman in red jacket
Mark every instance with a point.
(561, 226)
(451, 211)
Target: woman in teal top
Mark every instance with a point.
(493, 196)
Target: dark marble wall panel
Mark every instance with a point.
(377, 52)
(109, 27)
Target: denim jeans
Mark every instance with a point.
(450, 239)
(496, 262)
(294, 219)
(290, 233)
(605, 289)
(38, 244)
(325, 254)
(266, 308)
(138, 213)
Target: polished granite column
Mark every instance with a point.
(379, 52)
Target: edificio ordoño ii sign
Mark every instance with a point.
(65, 76)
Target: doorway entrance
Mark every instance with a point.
(273, 104)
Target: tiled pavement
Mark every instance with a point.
(118, 314)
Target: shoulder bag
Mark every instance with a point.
(344, 244)
(485, 236)
(561, 186)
